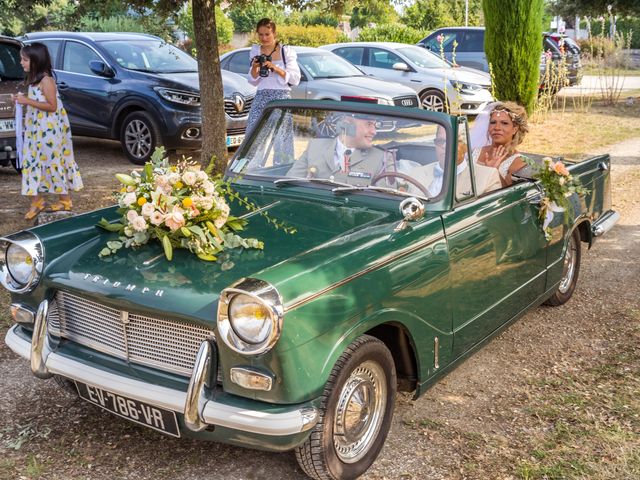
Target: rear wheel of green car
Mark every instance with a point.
(355, 413)
(570, 271)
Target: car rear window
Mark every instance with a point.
(10, 68)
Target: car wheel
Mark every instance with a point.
(355, 413)
(433, 100)
(570, 271)
(139, 136)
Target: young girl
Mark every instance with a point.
(47, 154)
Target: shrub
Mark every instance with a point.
(391, 33)
(317, 17)
(224, 25)
(245, 17)
(629, 26)
(312, 36)
(121, 23)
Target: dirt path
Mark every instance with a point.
(557, 395)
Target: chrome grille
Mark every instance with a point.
(230, 108)
(156, 342)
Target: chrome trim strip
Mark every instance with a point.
(39, 344)
(605, 223)
(375, 266)
(214, 413)
(195, 402)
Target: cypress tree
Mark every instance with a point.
(513, 44)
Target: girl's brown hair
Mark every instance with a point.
(518, 116)
(39, 62)
(266, 22)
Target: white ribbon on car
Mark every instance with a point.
(19, 139)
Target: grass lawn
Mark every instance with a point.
(574, 132)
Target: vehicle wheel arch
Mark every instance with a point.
(121, 112)
(584, 228)
(434, 90)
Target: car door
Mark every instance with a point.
(84, 94)
(379, 64)
(442, 42)
(237, 62)
(470, 51)
(497, 257)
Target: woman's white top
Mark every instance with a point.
(504, 167)
(275, 81)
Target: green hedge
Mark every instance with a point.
(311, 36)
(121, 23)
(391, 33)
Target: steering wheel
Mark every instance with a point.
(403, 176)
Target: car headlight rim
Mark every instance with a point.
(267, 300)
(31, 248)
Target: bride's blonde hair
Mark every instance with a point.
(518, 116)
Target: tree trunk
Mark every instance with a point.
(513, 43)
(211, 92)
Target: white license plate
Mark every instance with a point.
(7, 125)
(234, 140)
(139, 412)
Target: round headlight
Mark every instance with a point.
(250, 319)
(20, 264)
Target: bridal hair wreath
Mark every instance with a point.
(181, 206)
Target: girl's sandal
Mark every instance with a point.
(61, 205)
(35, 209)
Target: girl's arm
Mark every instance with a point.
(48, 87)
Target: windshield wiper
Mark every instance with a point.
(321, 181)
(375, 188)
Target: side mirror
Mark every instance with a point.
(401, 66)
(411, 209)
(100, 68)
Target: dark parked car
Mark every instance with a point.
(138, 89)
(469, 51)
(11, 75)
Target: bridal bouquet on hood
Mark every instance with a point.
(181, 206)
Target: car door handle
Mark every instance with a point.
(535, 198)
(62, 85)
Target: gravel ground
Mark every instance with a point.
(554, 396)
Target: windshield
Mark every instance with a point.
(10, 68)
(423, 58)
(343, 149)
(326, 65)
(150, 55)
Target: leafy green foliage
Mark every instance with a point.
(121, 23)
(391, 33)
(224, 25)
(311, 36)
(374, 11)
(432, 14)
(317, 17)
(513, 48)
(245, 17)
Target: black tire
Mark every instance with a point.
(433, 100)
(14, 163)
(570, 271)
(66, 385)
(343, 445)
(139, 136)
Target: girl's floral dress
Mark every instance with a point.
(47, 154)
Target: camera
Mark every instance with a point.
(261, 59)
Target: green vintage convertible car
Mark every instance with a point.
(398, 270)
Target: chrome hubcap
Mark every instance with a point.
(433, 103)
(359, 411)
(569, 267)
(137, 139)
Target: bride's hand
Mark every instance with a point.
(497, 156)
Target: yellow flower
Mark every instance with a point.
(142, 201)
(187, 202)
(123, 189)
(179, 185)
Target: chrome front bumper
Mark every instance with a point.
(605, 223)
(198, 410)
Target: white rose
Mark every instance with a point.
(148, 209)
(129, 198)
(139, 224)
(156, 218)
(189, 178)
(202, 176)
(174, 178)
(162, 180)
(205, 203)
(132, 215)
(208, 187)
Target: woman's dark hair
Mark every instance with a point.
(266, 22)
(39, 62)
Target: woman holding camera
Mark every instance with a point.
(274, 68)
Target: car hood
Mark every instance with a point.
(467, 75)
(231, 82)
(363, 85)
(144, 280)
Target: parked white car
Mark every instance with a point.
(440, 86)
(326, 76)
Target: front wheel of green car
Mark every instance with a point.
(355, 413)
(570, 271)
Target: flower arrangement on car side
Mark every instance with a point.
(182, 206)
(558, 185)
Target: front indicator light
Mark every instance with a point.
(250, 379)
